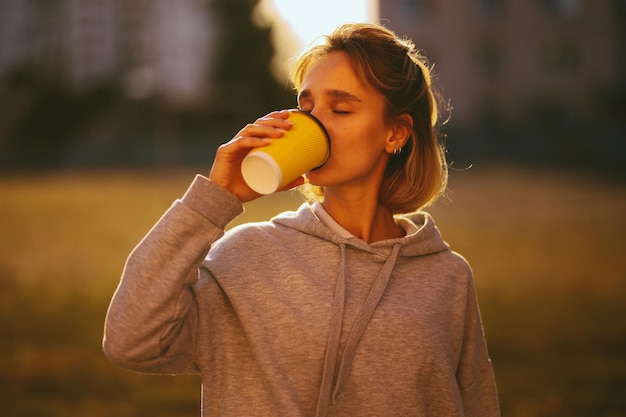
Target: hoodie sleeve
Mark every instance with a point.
(475, 371)
(152, 319)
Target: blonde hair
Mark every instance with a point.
(417, 176)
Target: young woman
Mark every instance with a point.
(351, 306)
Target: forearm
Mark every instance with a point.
(152, 318)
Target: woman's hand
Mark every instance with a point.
(226, 169)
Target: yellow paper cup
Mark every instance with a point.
(304, 147)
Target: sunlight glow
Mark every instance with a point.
(310, 19)
(297, 23)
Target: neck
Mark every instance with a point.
(363, 217)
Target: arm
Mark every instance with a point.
(152, 318)
(475, 371)
(151, 322)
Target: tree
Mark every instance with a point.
(244, 85)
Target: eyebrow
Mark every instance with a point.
(336, 94)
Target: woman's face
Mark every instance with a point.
(353, 116)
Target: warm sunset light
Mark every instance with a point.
(309, 19)
(297, 23)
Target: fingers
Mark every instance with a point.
(242, 144)
(295, 183)
(273, 125)
(226, 169)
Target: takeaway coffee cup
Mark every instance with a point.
(303, 148)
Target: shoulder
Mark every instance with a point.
(442, 266)
(262, 234)
(457, 262)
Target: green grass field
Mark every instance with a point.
(546, 248)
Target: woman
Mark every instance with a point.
(346, 307)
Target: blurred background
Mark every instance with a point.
(108, 108)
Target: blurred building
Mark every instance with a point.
(14, 32)
(490, 55)
(506, 56)
(155, 47)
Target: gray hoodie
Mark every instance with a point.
(290, 318)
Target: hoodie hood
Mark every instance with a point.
(423, 237)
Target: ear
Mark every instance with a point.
(400, 133)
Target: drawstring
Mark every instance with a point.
(332, 346)
(362, 319)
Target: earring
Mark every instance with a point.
(397, 151)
